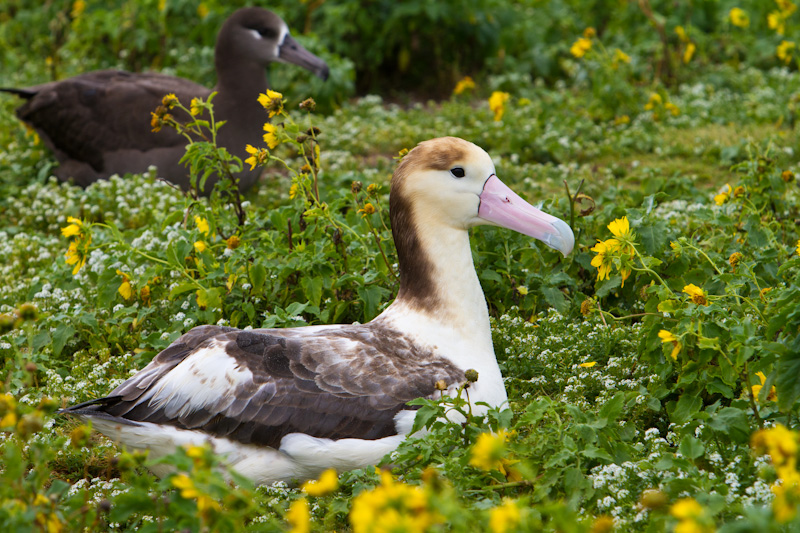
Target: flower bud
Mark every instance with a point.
(471, 375)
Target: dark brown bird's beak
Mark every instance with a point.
(290, 51)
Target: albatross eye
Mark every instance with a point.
(458, 172)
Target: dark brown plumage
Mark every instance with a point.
(98, 123)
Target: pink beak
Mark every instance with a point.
(500, 206)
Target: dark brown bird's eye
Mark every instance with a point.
(458, 172)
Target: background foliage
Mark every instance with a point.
(636, 401)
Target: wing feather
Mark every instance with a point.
(258, 386)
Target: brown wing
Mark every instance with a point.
(258, 386)
(104, 111)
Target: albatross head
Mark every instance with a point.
(262, 36)
(453, 182)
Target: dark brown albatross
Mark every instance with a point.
(98, 123)
(283, 404)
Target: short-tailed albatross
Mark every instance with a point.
(284, 404)
(98, 123)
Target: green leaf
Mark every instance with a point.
(787, 385)
(312, 288)
(731, 422)
(61, 335)
(258, 275)
(688, 404)
(691, 447)
(180, 289)
(613, 407)
(555, 297)
(653, 235)
(40, 340)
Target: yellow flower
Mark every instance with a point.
(589, 32)
(698, 295)
(202, 224)
(787, 176)
(78, 7)
(505, 517)
(588, 364)
(686, 508)
(368, 209)
(776, 22)
(623, 119)
(144, 294)
(620, 227)
(739, 18)
(200, 246)
(602, 261)
(202, 10)
(125, 288)
(391, 507)
(10, 419)
(780, 443)
(75, 227)
(522, 290)
(270, 137)
(667, 336)
(681, 33)
(621, 57)
(258, 156)
(723, 196)
(654, 101)
(207, 503)
(465, 84)
(194, 107)
(735, 259)
(497, 103)
(489, 451)
(272, 101)
(756, 389)
(603, 524)
(580, 47)
(798, 247)
(689, 53)
(328, 482)
(784, 51)
(672, 108)
(299, 517)
(233, 242)
(587, 306)
(784, 505)
(293, 190)
(169, 100)
(183, 483)
(77, 255)
(7, 403)
(786, 7)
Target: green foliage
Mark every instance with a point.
(626, 396)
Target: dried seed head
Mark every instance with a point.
(28, 311)
(585, 203)
(471, 375)
(653, 499)
(355, 187)
(6, 323)
(308, 104)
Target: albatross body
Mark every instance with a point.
(98, 123)
(284, 404)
